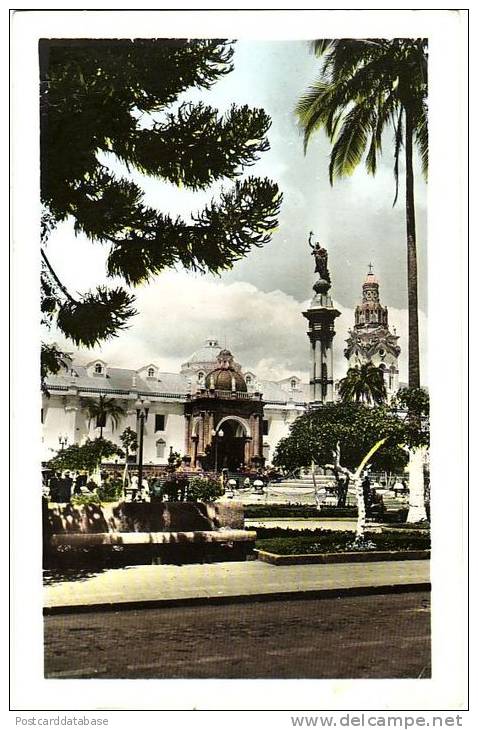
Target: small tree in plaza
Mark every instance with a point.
(86, 457)
(129, 441)
(314, 436)
(344, 437)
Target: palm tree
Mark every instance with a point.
(366, 86)
(101, 410)
(363, 384)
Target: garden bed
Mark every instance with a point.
(372, 556)
(280, 541)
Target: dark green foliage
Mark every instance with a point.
(110, 490)
(413, 404)
(129, 440)
(114, 97)
(109, 309)
(102, 408)
(87, 498)
(203, 490)
(52, 361)
(84, 458)
(314, 437)
(364, 384)
(295, 542)
(367, 85)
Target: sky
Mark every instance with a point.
(256, 308)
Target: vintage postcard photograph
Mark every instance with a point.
(233, 478)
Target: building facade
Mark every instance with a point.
(213, 412)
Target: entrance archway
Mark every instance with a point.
(230, 446)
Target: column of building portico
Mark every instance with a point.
(188, 450)
(247, 451)
(255, 422)
(200, 449)
(70, 428)
(208, 429)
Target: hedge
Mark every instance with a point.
(296, 542)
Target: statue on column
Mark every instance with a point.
(320, 255)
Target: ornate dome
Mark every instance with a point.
(371, 279)
(206, 354)
(226, 376)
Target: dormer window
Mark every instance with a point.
(293, 384)
(99, 368)
(248, 380)
(150, 372)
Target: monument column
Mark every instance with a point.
(321, 315)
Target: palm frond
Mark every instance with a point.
(350, 146)
(421, 138)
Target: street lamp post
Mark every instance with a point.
(142, 410)
(63, 441)
(217, 435)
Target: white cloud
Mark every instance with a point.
(265, 330)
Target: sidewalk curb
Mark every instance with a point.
(317, 593)
(374, 556)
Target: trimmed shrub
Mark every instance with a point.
(91, 498)
(203, 490)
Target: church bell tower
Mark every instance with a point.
(370, 340)
(321, 315)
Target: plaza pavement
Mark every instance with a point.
(168, 585)
(302, 523)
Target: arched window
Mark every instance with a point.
(201, 376)
(293, 384)
(160, 448)
(248, 380)
(150, 372)
(98, 368)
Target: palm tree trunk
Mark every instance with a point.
(413, 335)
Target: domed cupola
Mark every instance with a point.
(226, 376)
(370, 313)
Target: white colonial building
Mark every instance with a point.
(215, 412)
(212, 394)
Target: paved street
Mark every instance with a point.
(380, 636)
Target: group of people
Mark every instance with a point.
(60, 487)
